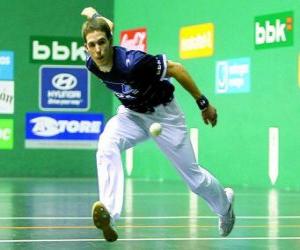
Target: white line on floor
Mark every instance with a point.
(133, 194)
(151, 218)
(152, 239)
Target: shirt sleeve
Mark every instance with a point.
(149, 67)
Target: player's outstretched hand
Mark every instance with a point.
(88, 12)
(209, 115)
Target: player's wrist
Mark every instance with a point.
(202, 103)
(96, 15)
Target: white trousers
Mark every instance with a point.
(126, 129)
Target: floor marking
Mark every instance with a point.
(138, 226)
(153, 239)
(133, 194)
(129, 160)
(44, 227)
(273, 154)
(194, 135)
(209, 217)
(49, 194)
(153, 217)
(45, 218)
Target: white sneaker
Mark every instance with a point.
(226, 222)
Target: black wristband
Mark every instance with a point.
(202, 102)
(96, 15)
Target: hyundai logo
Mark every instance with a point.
(64, 81)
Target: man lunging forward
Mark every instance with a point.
(141, 82)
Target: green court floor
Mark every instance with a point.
(55, 214)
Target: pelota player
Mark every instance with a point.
(140, 81)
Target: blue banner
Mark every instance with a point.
(64, 88)
(59, 130)
(233, 76)
(6, 65)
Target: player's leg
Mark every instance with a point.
(175, 143)
(121, 132)
(198, 179)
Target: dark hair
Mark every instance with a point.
(95, 24)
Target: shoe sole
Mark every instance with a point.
(101, 219)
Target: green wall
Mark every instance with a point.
(236, 151)
(19, 21)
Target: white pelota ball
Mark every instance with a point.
(155, 129)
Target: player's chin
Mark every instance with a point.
(99, 59)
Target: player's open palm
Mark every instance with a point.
(209, 115)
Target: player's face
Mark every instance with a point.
(99, 47)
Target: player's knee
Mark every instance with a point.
(106, 151)
(106, 148)
(194, 189)
(200, 186)
(104, 155)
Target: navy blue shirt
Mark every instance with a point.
(137, 79)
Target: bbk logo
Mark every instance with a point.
(57, 50)
(135, 39)
(274, 30)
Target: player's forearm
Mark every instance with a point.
(90, 13)
(177, 71)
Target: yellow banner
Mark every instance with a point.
(196, 41)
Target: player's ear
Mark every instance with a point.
(85, 47)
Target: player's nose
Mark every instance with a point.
(98, 49)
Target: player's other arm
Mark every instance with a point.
(90, 13)
(177, 71)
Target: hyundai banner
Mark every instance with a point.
(60, 130)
